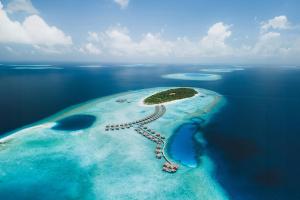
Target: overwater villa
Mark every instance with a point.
(150, 134)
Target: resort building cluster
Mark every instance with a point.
(150, 134)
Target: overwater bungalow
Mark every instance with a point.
(166, 164)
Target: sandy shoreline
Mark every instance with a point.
(23, 131)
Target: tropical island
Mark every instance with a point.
(170, 95)
(124, 144)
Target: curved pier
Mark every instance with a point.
(150, 134)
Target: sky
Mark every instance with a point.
(156, 31)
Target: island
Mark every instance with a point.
(193, 76)
(105, 149)
(170, 95)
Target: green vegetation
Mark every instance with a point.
(170, 95)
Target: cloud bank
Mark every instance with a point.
(32, 31)
(273, 40)
(117, 42)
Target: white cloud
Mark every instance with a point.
(93, 36)
(122, 3)
(47, 49)
(117, 41)
(279, 22)
(153, 45)
(268, 44)
(90, 49)
(21, 6)
(214, 42)
(33, 30)
(271, 43)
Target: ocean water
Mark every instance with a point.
(75, 122)
(183, 147)
(90, 163)
(253, 140)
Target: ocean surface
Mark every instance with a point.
(253, 140)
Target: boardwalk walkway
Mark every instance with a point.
(150, 134)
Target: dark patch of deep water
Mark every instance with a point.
(254, 140)
(75, 122)
(183, 146)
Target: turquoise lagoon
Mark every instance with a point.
(41, 162)
(193, 76)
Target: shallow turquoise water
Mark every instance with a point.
(193, 76)
(94, 164)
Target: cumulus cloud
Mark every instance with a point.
(118, 42)
(93, 36)
(271, 42)
(267, 44)
(21, 6)
(122, 3)
(279, 22)
(90, 49)
(33, 30)
(214, 41)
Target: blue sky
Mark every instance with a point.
(189, 31)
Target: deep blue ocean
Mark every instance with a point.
(254, 139)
